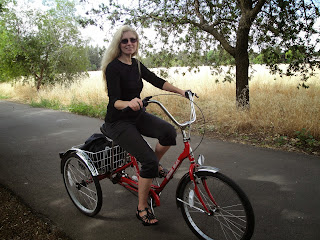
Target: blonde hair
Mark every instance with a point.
(113, 51)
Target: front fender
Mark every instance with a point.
(207, 169)
(185, 178)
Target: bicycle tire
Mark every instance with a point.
(231, 219)
(83, 189)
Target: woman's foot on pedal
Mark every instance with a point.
(146, 217)
(163, 172)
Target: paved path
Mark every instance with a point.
(283, 187)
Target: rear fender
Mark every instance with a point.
(84, 157)
(63, 156)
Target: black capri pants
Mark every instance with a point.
(128, 134)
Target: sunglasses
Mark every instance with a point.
(126, 40)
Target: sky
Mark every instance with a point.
(95, 34)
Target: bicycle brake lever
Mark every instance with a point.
(145, 101)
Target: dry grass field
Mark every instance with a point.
(280, 113)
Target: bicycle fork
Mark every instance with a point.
(196, 192)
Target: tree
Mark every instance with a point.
(219, 56)
(2, 6)
(43, 46)
(236, 25)
(95, 55)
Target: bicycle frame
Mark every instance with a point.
(155, 190)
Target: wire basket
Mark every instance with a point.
(108, 159)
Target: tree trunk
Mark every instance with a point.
(39, 81)
(40, 78)
(242, 67)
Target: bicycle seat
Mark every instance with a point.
(102, 129)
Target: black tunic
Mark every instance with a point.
(124, 82)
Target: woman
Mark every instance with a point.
(123, 75)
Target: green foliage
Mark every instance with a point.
(4, 96)
(167, 59)
(219, 56)
(306, 140)
(95, 55)
(78, 107)
(3, 5)
(46, 103)
(44, 47)
(281, 140)
(90, 110)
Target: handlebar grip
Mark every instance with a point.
(191, 93)
(127, 109)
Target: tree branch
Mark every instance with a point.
(219, 37)
(205, 27)
(257, 8)
(200, 16)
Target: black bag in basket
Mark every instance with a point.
(96, 143)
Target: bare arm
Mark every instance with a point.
(135, 104)
(170, 88)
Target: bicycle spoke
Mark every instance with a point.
(193, 207)
(77, 173)
(72, 175)
(227, 224)
(76, 168)
(87, 195)
(232, 218)
(87, 200)
(230, 215)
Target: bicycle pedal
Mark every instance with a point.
(115, 179)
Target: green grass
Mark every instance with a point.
(82, 108)
(77, 107)
(4, 97)
(46, 103)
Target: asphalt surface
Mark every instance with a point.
(283, 187)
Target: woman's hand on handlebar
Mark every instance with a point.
(135, 104)
(187, 92)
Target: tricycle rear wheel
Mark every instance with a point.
(83, 188)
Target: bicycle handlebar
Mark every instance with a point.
(190, 95)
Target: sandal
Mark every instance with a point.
(163, 172)
(146, 219)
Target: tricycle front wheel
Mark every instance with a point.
(230, 215)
